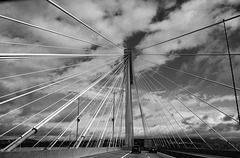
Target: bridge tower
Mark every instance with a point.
(128, 75)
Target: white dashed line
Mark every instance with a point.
(148, 156)
(125, 155)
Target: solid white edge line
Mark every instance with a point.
(125, 155)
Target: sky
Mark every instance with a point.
(131, 24)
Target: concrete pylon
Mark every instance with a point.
(129, 137)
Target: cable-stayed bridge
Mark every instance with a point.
(123, 99)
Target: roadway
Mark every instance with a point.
(128, 154)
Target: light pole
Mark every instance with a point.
(114, 102)
(78, 119)
(113, 119)
(78, 111)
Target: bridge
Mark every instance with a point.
(78, 98)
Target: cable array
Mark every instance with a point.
(96, 110)
(146, 78)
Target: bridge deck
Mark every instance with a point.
(128, 154)
(145, 154)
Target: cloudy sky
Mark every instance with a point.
(132, 24)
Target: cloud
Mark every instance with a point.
(119, 21)
(205, 117)
(227, 118)
(184, 20)
(144, 115)
(98, 15)
(221, 98)
(23, 128)
(203, 65)
(226, 127)
(130, 11)
(170, 4)
(186, 121)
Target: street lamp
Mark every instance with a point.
(78, 111)
(78, 119)
(114, 104)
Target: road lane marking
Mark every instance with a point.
(148, 156)
(125, 155)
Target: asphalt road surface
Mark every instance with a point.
(128, 154)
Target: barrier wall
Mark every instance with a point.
(56, 153)
(193, 153)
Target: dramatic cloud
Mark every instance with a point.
(227, 118)
(186, 120)
(221, 127)
(149, 22)
(23, 128)
(190, 16)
